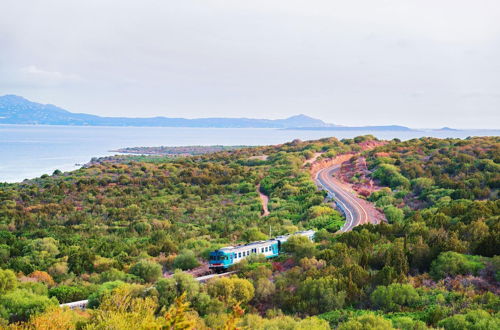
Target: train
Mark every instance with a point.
(220, 260)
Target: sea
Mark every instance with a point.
(29, 151)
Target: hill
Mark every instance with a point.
(116, 231)
(18, 110)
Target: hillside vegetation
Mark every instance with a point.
(111, 232)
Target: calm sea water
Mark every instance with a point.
(30, 151)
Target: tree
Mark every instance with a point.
(149, 271)
(8, 281)
(395, 257)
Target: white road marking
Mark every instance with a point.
(323, 175)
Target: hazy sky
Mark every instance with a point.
(421, 63)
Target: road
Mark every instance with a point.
(354, 211)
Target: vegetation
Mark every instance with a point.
(119, 233)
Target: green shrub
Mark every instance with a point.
(452, 263)
(185, 260)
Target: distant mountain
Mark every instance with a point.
(356, 128)
(18, 110)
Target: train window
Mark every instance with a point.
(239, 255)
(262, 250)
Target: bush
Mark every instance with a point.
(66, 294)
(8, 280)
(407, 323)
(300, 247)
(395, 296)
(185, 260)
(149, 271)
(476, 319)
(231, 290)
(394, 214)
(367, 321)
(95, 298)
(19, 305)
(452, 263)
(389, 175)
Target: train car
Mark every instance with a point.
(222, 259)
(225, 257)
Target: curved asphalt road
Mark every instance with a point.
(354, 212)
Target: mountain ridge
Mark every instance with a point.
(19, 110)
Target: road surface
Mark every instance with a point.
(354, 211)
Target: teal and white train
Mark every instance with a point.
(222, 259)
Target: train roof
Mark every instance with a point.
(247, 246)
(263, 243)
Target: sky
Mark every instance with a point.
(421, 63)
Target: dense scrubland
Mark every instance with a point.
(119, 233)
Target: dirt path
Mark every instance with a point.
(264, 200)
